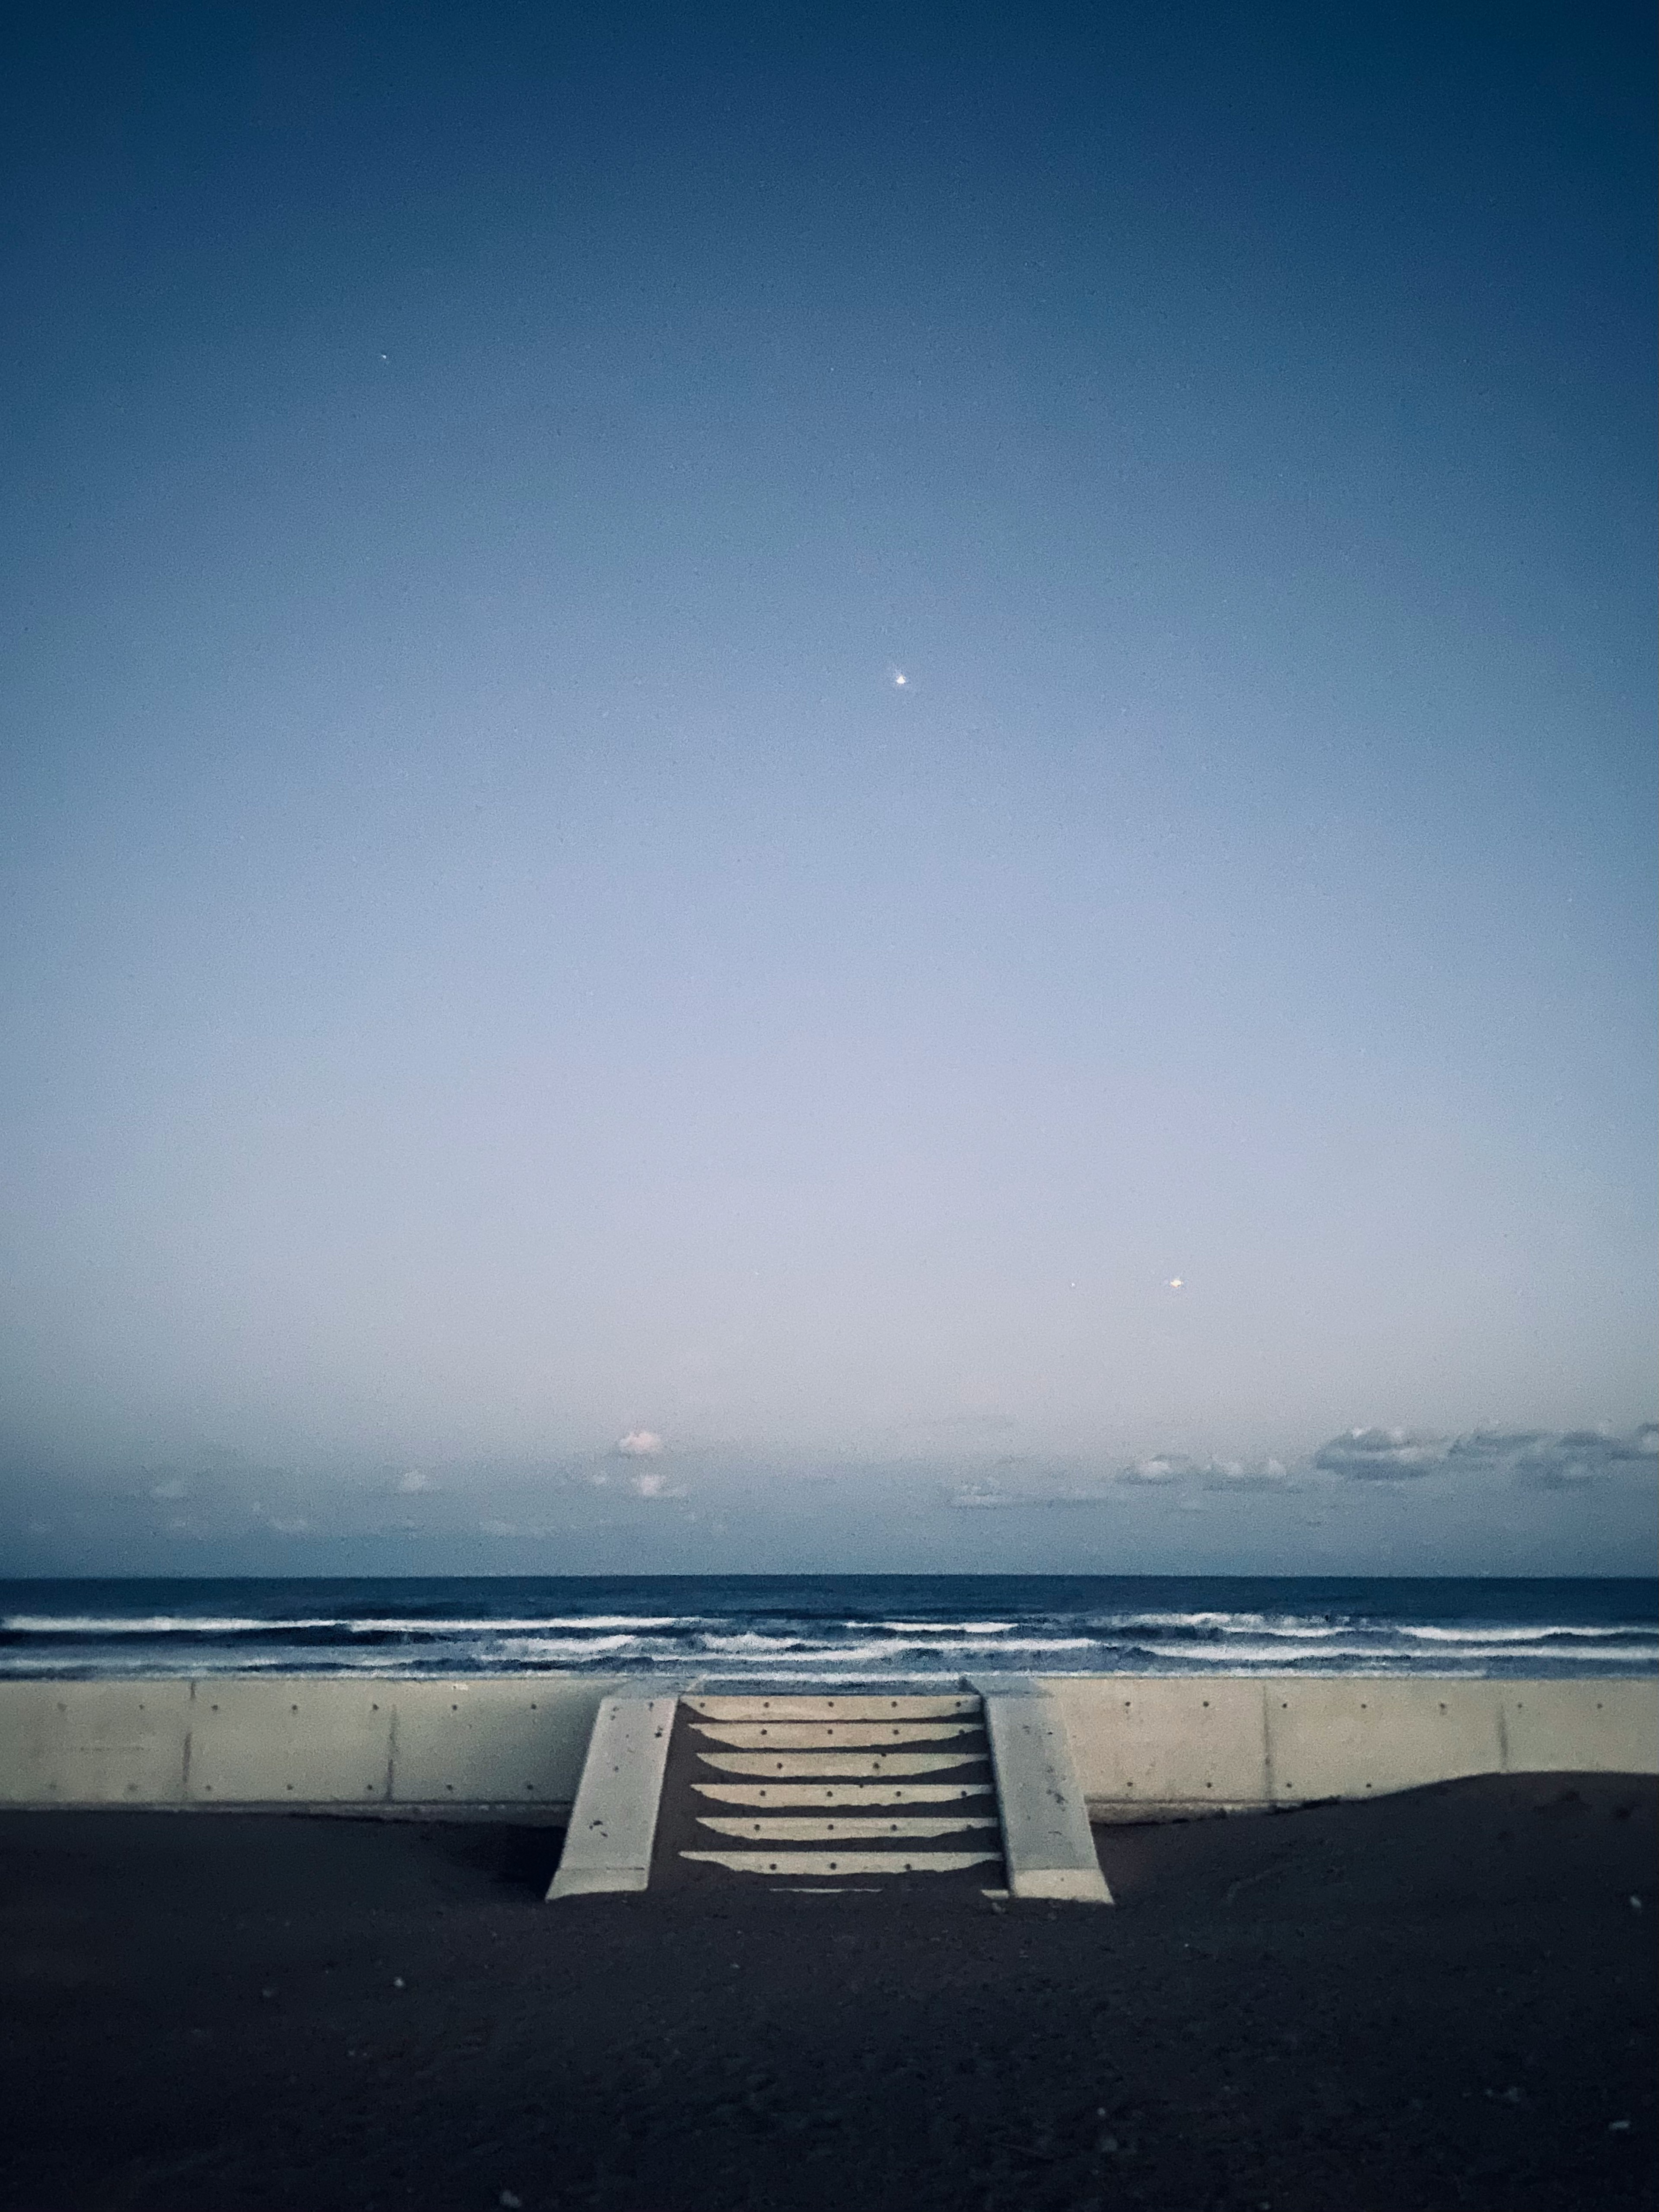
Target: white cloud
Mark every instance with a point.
(1245, 1474)
(1163, 1467)
(1538, 1459)
(170, 1490)
(640, 1444)
(1582, 1456)
(979, 1497)
(1175, 1473)
(1381, 1455)
(653, 1486)
(414, 1482)
(498, 1528)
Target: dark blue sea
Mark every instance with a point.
(830, 1628)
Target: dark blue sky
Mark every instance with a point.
(497, 960)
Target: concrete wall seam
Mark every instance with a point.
(1140, 1741)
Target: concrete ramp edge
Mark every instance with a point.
(1047, 1845)
(613, 1825)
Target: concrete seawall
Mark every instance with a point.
(299, 1740)
(1145, 1745)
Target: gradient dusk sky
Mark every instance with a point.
(780, 784)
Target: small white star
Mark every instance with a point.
(1177, 1283)
(900, 679)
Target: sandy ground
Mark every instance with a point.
(1441, 1999)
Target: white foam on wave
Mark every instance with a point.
(1529, 1635)
(1051, 1643)
(838, 1678)
(979, 1653)
(752, 1639)
(1235, 1655)
(761, 1651)
(1255, 1624)
(939, 1627)
(1180, 1619)
(158, 1624)
(1303, 1628)
(178, 1624)
(564, 1647)
(485, 1626)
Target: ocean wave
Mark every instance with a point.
(437, 1626)
(1521, 1635)
(1182, 1620)
(752, 1639)
(830, 1676)
(1045, 1644)
(743, 1652)
(844, 1629)
(1232, 1655)
(486, 1624)
(1212, 1624)
(561, 1647)
(1287, 1624)
(161, 1624)
(938, 1627)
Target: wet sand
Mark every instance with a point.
(1443, 1999)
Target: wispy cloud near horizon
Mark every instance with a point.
(1372, 1500)
(1565, 1461)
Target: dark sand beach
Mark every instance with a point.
(1445, 1998)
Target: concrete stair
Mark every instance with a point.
(856, 1792)
(828, 1790)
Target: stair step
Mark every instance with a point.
(770, 1794)
(849, 1828)
(838, 1776)
(837, 1765)
(852, 1736)
(854, 1861)
(831, 1709)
